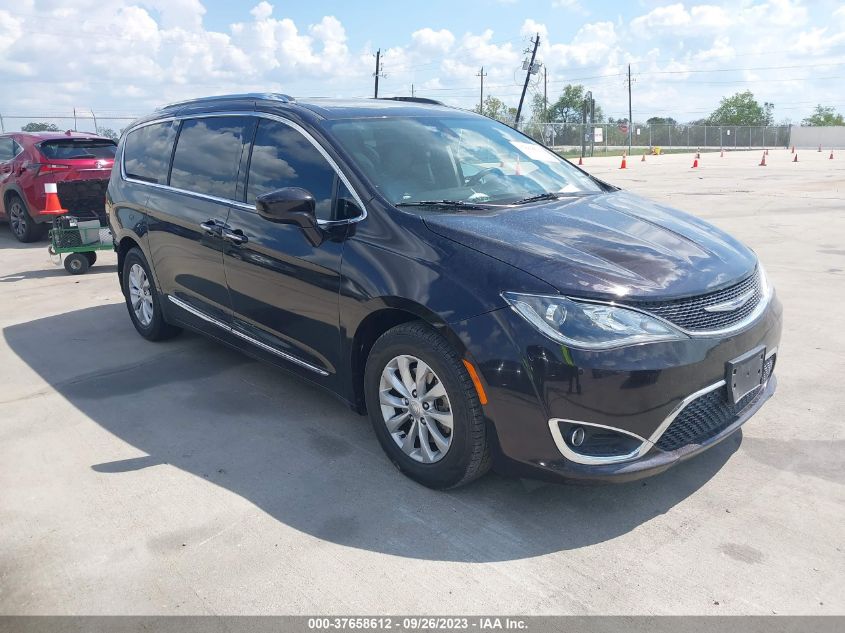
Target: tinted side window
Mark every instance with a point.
(282, 157)
(146, 153)
(7, 149)
(208, 154)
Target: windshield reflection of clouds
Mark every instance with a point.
(455, 158)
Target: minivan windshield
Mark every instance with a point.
(459, 161)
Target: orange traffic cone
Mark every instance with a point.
(698, 154)
(820, 148)
(624, 164)
(763, 160)
(767, 152)
(795, 160)
(831, 155)
(52, 205)
(695, 163)
(722, 155)
(580, 160)
(642, 160)
(793, 149)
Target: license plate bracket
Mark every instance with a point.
(744, 374)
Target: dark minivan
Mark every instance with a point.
(482, 299)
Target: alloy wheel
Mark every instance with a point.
(140, 295)
(416, 409)
(17, 218)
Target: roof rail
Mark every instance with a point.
(269, 96)
(414, 100)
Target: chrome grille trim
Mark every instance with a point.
(691, 316)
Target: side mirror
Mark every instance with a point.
(290, 205)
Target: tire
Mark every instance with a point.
(92, 257)
(467, 455)
(77, 264)
(23, 227)
(148, 320)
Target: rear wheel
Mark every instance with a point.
(77, 264)
(92, 257)
(24, 228)
(142, 299)
(424, 407)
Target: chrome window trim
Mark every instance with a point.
(228, 328)
(647, 444)
(239, 203)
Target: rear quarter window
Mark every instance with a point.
(147, 151)
(8, 149)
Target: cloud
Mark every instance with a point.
(133, 55)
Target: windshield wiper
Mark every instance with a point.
(461, 204)
(542, 196)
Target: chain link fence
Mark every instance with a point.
(603, 137)
(107, 124)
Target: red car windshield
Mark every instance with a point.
(63, 149)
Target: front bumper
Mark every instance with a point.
(531, 382)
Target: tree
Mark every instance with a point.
(768, 112)
(496, 109)
(659, 120)
(569, 106)
(34, 126)
(739, 109)
(824, 115)
(108, 133)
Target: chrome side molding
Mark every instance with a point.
(228, 328)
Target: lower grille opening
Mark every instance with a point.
(707, 416)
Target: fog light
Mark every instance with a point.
(576, 438)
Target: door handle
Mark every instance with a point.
(236, 236)
(210, 226)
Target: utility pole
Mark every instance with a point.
(630, 115)
(378, 71)
(412, 91)
(481, 74)
(530, 70)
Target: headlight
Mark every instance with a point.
(588, 325)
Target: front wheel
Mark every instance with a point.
(424, 407)
(77, 264)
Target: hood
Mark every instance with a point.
(605, 245)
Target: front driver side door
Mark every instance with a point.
(284, 287)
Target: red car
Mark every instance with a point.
(79, 163)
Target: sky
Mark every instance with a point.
(126, 57)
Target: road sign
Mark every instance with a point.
(623, 127)
(598, 135)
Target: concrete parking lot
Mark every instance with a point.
(185, 478)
